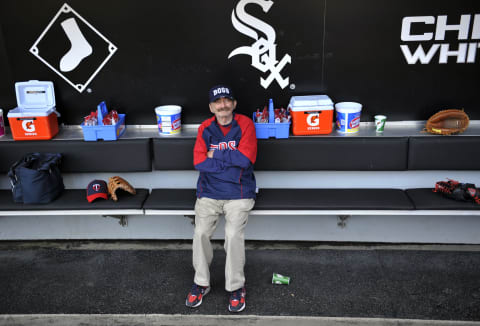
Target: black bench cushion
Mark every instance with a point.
(173, 153)
(294, 199)
(425, 198)
(171, 199)
(332, 199)
(123, 155)
(300, 154)
(328, 153)
(75, 199)
(444, 153)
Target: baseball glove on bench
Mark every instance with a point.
(447, 122)
(115, 183)
(458, 191)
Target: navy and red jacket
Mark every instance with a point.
(229, 174)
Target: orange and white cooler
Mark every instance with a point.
(35, 118)
(311, 114)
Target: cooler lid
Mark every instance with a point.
(310, 100)
(35, 94)
(36, 112)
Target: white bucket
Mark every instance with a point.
(169, 119)
(348, 116)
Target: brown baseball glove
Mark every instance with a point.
(115, 183)
(447, 122)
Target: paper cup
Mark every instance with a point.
(380, 123)
(280, 279)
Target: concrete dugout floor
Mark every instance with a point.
(405, 282)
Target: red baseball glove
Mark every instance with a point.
(458, 191)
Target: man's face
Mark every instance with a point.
(223, 108)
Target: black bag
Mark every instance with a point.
(36, 178)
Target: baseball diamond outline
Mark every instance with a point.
(111, 47)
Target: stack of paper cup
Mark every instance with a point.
(2, 124)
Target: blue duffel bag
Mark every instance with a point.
(36, 178)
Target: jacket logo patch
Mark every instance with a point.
(232, 145)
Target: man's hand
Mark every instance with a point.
(210, 153)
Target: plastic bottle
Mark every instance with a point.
(271, 112)
(102, 111)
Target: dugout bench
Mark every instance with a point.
(129, 155)
(340, 154)
(334, 154)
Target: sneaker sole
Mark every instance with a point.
(200, 302)
(239, 310)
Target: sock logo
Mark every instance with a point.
(69, 30)
(263, 50)
(80, 48)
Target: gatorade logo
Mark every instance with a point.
(313, 120)
(28, 125)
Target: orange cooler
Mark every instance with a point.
(35, 118)
(311, 114)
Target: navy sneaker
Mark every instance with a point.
(196, 294)
(237, 300)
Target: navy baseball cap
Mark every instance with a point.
(97, 189)
(219, 91)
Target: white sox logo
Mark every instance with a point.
(263, 51)
(467, 33)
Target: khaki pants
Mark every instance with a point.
(207, 213)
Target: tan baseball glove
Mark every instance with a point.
(447, 122)
(115, 183)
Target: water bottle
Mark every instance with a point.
(271, 112)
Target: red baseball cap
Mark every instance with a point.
(97, 189)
